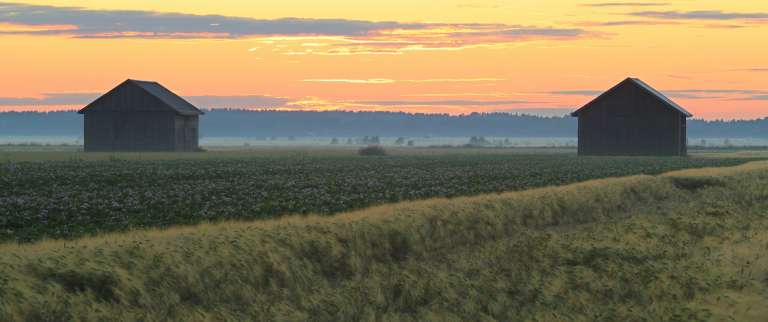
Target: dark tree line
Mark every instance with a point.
(266, 124)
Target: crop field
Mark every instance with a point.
(69, 199)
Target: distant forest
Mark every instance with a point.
(243, 123)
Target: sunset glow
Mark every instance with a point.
(417, 56)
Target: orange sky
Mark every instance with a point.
(421, 56)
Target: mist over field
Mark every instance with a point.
(223, 127)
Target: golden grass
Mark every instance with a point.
(687, 245)
(735, 153)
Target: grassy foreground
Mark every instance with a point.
(688, 245)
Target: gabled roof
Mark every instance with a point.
(639, 83)
(169, 98)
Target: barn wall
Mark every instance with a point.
(631, 121)
(683, 135)
(129, 131)
(186, 132)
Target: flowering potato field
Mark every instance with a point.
(67, 199)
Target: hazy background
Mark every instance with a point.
(224, 127)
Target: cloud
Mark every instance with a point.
(718, 91)
(619, 23)
(425, 106)
(758, 97)
(435, 37)
(677, 17)
(679, 76)
(698, 94)
(444, 103)
(724, 26)
(577, 92)
(149, 24)
(50, 99)
(238, 101)
(692, 95)
(391, 81)
(713, 94)
(205, 101)
(517, 33)
(759, 70)
(352, 81)
(454, 80)
(348, 37)
(701, 15)
(626, 4)
(464, 94)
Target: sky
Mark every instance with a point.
(447, 56)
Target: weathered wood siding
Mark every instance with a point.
(631, 121)
(186, 127)
(129, 131)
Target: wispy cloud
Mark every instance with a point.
(48, 99)
(702, 15)
(352, 81)
(521, 32)
(757, 97)
(123, 23)
(454, 80)
(576, 92)
(464, 94)
(415, 106)
(694, 94)
(445, 103)
(203, 101)
(90, 23)
(620, 23)
(438, 37)
(288, 36)
(238, 101)
(725, 26)
(660, 18)
(390, 81)
(626, 4)
(719, 91)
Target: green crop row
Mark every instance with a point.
(69, 199)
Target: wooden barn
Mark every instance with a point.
(140, 116)
(632, 118)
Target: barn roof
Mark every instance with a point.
(169, 98)
(639, 83)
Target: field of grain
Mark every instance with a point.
(684, 246)
(69, 195)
